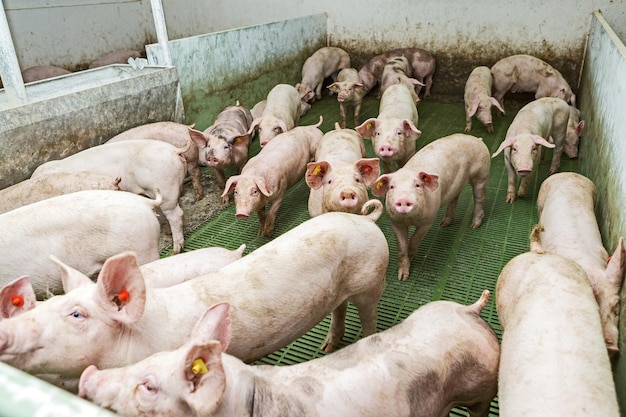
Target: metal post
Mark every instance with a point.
(161, 30)
(9, 66)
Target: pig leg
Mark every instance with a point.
(194, 173)
(357, 113)
(450, 212)
(267, 225)
(337, 328)
(402, 240)
(367, 307)
(556, 154)
(429, 83)
(511, 182)
(174, 215)
(480, 192)
(342, 111)
(523, 185)
(480, 409)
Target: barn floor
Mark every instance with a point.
(454, 263)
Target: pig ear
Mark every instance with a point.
(213, 325)
(497, 104)
(367, 128)
(474, 107)
(369, 168)
(580, 127)
(16, 297)
(260, 183)
(241, 141)
(121, 288)
(230, 183)
(616, 265)
(359, 86)
(410, 130)
(505, 144)
(541, 141)
(197, 137)
(203, 375)
(315, 172)
(70, 278)
(429, 181)
(415, 81)
(381, 185)
(254, 124)
(333, 87)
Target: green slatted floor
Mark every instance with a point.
(454, 263)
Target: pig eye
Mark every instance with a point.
(148, 387)
(254, 192)
(357, 179)
(77, 315)
(514, 148)
(278, 130)
(330, 182)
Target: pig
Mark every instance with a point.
(281, 113)
(340, 175)
(185, 266)
(33, 190)
(65, 334)
(42, 72)
(398, 71)
(82, 228)
(116, 57)
(370, 73)
(267, 176)
(478, 99)
(177, 134)
(350, 91)
(226, 143)
(394, 131)
(575, 128)
(532, 126)
(443, 355)
(433, 177)
(135, 161)
(566, 204)
(324, 62)
(526, 73)
(553, 359)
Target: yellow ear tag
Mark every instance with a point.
(316, 170)
(368, 126)
(199, 367)
(238, 139)
(379, 184)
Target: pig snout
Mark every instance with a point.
(86, 381)
(348, 199)
(403, 205)
(386, 150)
(212, 161)
(524, 172)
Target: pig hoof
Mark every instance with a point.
(328, 346)
(403, 274)
(446, 222)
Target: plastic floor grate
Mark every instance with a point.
(454, 263)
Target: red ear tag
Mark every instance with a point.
(17, 300)
(608, 260)
(426, 178)
(367, 169)
(123, 295)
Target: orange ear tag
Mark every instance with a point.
(367, 168)
(123, 295)
(426, 178)
(608, 260)
(17, 300)
(199, 367)
(317, 170)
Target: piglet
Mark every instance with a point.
(177, 134)
(566, 204)
(478, 99)
(82, 228)
(553, 357)
(36, 189)
(442, 356)
(398, 71)
(281, 113)
(42, 72)
(144, 165)
(433, 177)
(226, 143)
(340, 175)
(531, 128)
(324, 62)
(394, 131)
(526, 73)
(350, 91)
(65, 334)
(267, 176)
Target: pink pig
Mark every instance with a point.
(398, 71)
(432, 178)
(324, 62)
(340, 175)
(267, 176)
(350, 91)
(478, 99)
(281, 113)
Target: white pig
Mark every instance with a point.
(394, 131)
(82, 228)
(340, 175)
(267, 176)
(398, 71)
(532, 126)
(32, 190)
(281, 113)
(42, 72)
(324, 62)
(553, 359)
(442, 356)
(566, 204)
(177, 134)
(478, 99)
(434, 177)
(350, 91)
(185, 266)
(575, 128)
(144, 165)
(526, 73)
(65, 334)
(226, 143)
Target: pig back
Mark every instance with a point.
(552, 343)
(397, 103)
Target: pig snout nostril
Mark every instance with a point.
(403, 206)
(524, 172)
(348, 199)
(386, 150)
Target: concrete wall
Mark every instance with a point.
(603, 148)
